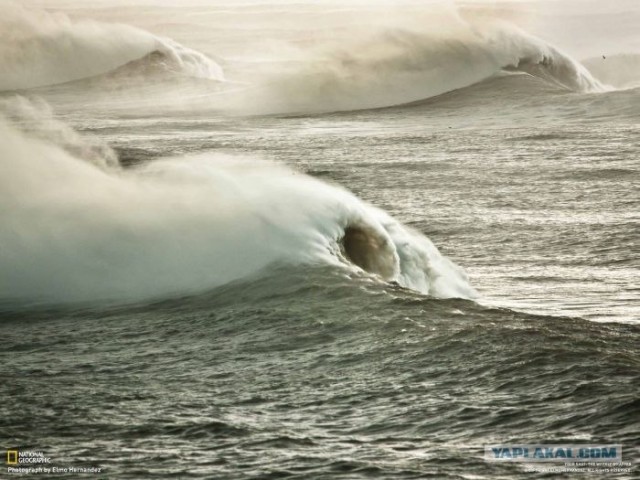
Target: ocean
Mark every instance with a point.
(318, 240)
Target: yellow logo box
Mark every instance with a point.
(12, 457)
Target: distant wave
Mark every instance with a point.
(399, 66)
(41, 49)
(372, 69)
(74, 229)
(167, 62)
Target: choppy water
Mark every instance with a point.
(200, 318)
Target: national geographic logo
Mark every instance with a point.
(35, 462)
(26, 457)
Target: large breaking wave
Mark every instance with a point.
(85, 229)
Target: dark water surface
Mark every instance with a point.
(329, 377)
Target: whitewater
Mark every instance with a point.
(178, 225)
(274, 239)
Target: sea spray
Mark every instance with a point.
(72, 230)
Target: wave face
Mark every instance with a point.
(41, 49)
(74, 230)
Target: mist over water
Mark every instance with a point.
(317, 239)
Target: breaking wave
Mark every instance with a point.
(81, 230)
(404, 65)
(379, 67)
(41, 49)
